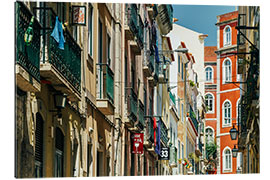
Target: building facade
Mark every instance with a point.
(248, 50)
(228, 91)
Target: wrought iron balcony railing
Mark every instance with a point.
(163, 133)
(193, 118)
(135, 23)
(105, 82)
(28, 56)
(67, 61)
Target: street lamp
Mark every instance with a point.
(60, 102)
(233, 133)
(234, 151)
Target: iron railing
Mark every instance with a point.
(67, 61)
(163, 133)
(193, 118)
(105, 82)
(28, 56)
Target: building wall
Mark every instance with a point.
(227, 91)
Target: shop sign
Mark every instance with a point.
(164, 154)
(79, 15)
(137, 143)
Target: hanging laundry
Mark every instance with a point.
(58, 34)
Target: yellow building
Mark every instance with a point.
(248, 47)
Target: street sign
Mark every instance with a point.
(137, 143)
(164, 154)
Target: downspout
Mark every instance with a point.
(123, 86)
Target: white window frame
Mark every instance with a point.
(213, 137)
(227, 36)
(223, 114)
(225, 70)
(213, 103)
(237, 104)
(229, 158)
(206, 72)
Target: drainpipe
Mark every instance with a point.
(123, 86)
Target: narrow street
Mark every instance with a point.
(109, 89)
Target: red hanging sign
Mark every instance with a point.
(137, 143)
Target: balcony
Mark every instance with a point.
(193, 118)
(105, 89)
(131, 16)
(62, 68)
(141, 123)
(134, 28)
(165, 18)
(148, 66)
(163, 133)
(27, 56)
(131, 99)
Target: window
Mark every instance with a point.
(209, 135)
(39, 146)
(178, 64)
(182, 71)
(90, 30)
(108, 50)
(209, 101)
(209, 74)
(182, 112)
(227, 159)
(59, 154)
(227, 113)
(100, 43)
(227, 36)
(227, 70)
(238, 112)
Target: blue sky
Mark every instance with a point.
(201, 18)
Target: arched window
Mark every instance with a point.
(227, 70)
(209, 134)
(227, 113)
(227, 159)
(238, 112)
(209, 102)
(59, 154)
(227, 36)
(209, 74)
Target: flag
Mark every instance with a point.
(154, 128)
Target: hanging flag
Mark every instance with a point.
(29, 33)
(157, 148)
(154, 128)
